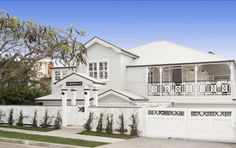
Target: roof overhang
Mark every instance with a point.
(190, 63)
(109, 45)
(128, 96)
(83, 77)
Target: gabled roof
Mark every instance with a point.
(124, 94)
(83, 76)
(107, 44)
(164, 52)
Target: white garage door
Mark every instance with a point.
(210, 124)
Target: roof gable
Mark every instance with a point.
(81, 76)
(109, 45)
(164, 52)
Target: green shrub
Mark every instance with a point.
(57, 122)
(99, 126)
(18, 96)
(133, 126)
(88, 123)
(20, 119)
(109, 125)
(46, 120)
(10, 118)
(34, 119)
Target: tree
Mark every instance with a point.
(24, 43)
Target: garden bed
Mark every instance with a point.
(100, 134)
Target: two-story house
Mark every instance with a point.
(157, 72)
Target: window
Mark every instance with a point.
(98, 70)
(93, 70)
(103, 70)
(57, 76)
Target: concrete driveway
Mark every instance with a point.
(167, 143)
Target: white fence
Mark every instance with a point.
(196, 123)
(28, 113)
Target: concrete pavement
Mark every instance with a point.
(13, 145)
(166, 143)
(67, 133)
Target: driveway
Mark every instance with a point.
(166, 143)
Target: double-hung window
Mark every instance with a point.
(103, 70)
(98, 70)
(57, 76)
(93, 70)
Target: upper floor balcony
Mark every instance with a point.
(205, 79)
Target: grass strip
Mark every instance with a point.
(92, 133)
(50, 139)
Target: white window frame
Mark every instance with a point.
(55, 75)
(98, 69)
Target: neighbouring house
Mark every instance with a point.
(157, 72)
(174, 91)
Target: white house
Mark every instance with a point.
(157, 72)
(175, 91)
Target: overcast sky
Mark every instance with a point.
(206, 26)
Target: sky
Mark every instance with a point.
(202, 25)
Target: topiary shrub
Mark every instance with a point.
(46, 120)
(133, 126)
(10, 118)
(122, 129)
(34, 119)
(88, 123)
(20, 119)
(109, 125)
(1, 115)
(57, 122)
(99, 126)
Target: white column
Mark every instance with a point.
(95, 97)
(196, 77)
(64, 107)
(86, 99)
(232, 79)
(73, 101)
(160, 71)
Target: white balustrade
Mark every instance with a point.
(188, 88)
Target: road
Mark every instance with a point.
(11, 145)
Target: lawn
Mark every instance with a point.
(107, 135)
(28, 128)
(50, 139)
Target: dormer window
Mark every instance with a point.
(98, 70)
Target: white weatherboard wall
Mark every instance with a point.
(136, 80)
(219, 128)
